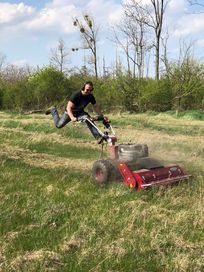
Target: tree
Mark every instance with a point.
(155, 95)
(17, 96)
(133, 32)
(153, 15)
(185, 78)
(12, 73)
(128, 89)
(48, 86)
(156, 23)
(195, 3)
(2, 61)
(59, 57)
(89, 33)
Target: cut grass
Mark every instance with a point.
(163, 123)
(110, 228)
(79, 133)
(59, 219)
(71, 150)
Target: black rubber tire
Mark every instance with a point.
(131, 152)
(101, 171)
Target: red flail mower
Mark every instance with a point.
(132, 163)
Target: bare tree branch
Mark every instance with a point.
(196, 4)
(132, 38)
(89, 32)
(153, 15)
(2, 61)
(59, 56)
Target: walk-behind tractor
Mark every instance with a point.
(132, 163)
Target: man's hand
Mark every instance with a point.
(99, 117)
(92, 118)
(74, 119)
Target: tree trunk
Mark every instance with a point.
(157, 58)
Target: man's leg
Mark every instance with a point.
(60, 121)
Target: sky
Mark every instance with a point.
(29, 29)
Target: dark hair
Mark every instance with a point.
(89, 83)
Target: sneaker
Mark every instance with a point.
(49, 110)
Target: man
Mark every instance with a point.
(75, 108)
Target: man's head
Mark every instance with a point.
(87, 88)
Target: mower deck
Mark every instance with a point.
(145, 178)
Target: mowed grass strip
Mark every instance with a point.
(49, 147)
(76, 132)
(44, 124)
(162, 122)
(189, 123)
(44, 160)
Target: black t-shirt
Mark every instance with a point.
(81, 101)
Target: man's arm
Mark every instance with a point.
(97, 109)
(70, 105)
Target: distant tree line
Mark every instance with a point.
(181, 88)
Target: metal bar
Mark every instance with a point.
(113, 132)
(170, 180)
(99, 131)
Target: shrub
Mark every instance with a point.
(48, 85)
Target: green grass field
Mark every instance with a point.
(54, 217)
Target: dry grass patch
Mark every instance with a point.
(49, 258)
(150, 137)
(71, 244)
(71, 190)
(181, 262)
(56, 138)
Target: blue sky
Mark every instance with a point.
(29, 29)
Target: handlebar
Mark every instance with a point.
(82, 118)
(102, 118)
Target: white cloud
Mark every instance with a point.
(176, 6)
(189, 25)
(56, 16)
(105, 12)
(60, 3)
(143, 2)
(19, 19)
(11, 12)
(52, 18)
